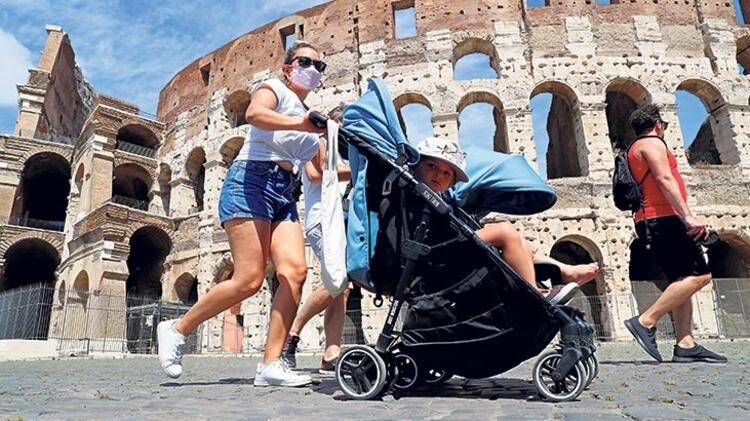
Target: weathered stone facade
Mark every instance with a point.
(156, 182)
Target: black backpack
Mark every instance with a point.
(626, 191)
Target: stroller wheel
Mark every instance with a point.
(408, 376)
(558, 391)
(435, 376)
(594, 361)
(361, 372)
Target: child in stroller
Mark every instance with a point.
(405, 241)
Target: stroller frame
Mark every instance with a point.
(365, 371)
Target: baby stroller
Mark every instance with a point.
(468, 313)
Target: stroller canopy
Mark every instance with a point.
(503, 183)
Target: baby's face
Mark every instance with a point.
(437, 174)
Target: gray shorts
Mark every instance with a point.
(314, 237)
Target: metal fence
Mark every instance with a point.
(81, 322)
(21, 221)
(135, 149)
(129, 202)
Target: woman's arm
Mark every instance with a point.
(261, 114)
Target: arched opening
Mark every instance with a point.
(195, 170)
(230, 149)
(623, 96)
(235, 106)
(743, 54)
(475, 58)
(76, 315)
(42, 197)
(29, 264)
(729, 261)
(165, 187)
(149, 247)
(78, 179)
(742, 11)
(137, 139)
(579, 251)
(647, 282)
(481, 122)
(415, 116)
(560, 132)
(131, 185)
(186, 289)
(706, 127)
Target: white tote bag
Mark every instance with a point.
(333, 234)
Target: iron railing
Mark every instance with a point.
(21, 221)
(135, 149)
(129, 202)
(82, 322)
(56, 138)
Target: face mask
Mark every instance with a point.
(305, 77)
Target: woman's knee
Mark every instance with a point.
(294, 274)
(247, 283)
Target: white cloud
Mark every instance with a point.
(13, 67)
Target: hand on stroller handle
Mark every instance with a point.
(318, 119)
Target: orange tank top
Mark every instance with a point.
(655, 204)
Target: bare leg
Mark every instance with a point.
(675, 295)
(318, 301)
(683, 324)
(334, 325)
(288, 255)
(579, 274)
(249, 244)
(505, 237)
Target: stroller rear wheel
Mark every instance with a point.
(558, 391)
(593, 361)
(361, 372)
(408, 373)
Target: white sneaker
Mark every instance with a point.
(563, 295)
(171, 348)
(278, 374)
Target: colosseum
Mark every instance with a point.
(114, 211)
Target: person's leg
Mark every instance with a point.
(579, 274)
(249, 245)
(333, 324)
(505, 237)
(683, 324)
(676, 294)
(318, 301)
(288, 255)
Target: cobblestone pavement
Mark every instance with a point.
(629, 386)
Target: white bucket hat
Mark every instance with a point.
(445, 150)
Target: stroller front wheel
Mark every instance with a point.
(361, 372)
(568, 388)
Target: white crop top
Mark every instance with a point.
(280, 145)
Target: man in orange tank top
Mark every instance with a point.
(671, 234)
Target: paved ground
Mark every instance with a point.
(629, 387)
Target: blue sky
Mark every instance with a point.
(131, 49)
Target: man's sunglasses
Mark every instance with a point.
(664, 125)
(307, 62)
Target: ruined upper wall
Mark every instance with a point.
(342, 28)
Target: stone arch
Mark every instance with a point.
(235, 106)
(411, 108)
(61, 293)
(476, 46)
(131, 186)
(81, 283)
(564, 130)
(230, 149)
(731, 257)
(29, 261)
(78, 178)
(623, 96)
(575, 250)
(149, 247)
(186, 289)
(41, 199)
(500, 138)
(714, 142)
(195, 170)
(137, 134)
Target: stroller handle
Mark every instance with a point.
(318, 119)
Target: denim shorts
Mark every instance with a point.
(258, 190)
